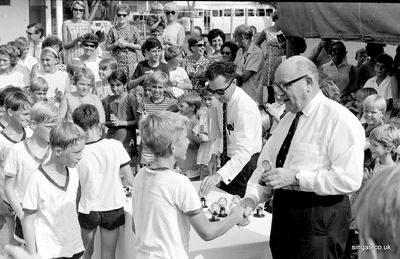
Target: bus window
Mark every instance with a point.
(227, 12)
(220, 13)
(269, 11)
(215, 13)
(250, 12)
(260, 12)
(239, 12)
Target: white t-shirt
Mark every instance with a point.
(14, 78)
(5, 146)
(162, 201)
(58, 80)
(20, 163)
(57, 230)
(384, 89)
(178, 76)
(101, 185)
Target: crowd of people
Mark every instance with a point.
(80, 125)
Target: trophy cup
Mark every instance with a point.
(203, 202)
(222, 203)
(266, 166)
(214, 210)
(259, 212)
(235, 199)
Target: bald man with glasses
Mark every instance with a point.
(316, 153)
(239, 122)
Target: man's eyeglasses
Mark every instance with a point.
(219, 91)
(170, 12)
(122, 15)
(284, 86)
(225, 53)
(200, 45)
(78, 10)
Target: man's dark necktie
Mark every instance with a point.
(281, 157)
(224, 136)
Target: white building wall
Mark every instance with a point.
(13, 20)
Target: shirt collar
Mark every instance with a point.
(340, 65)
(313, 104)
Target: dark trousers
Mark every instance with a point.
(306, 225)
(239, 183)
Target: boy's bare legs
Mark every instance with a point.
(88, 241)
(109, 240)
(11, 227)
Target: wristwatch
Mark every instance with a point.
(297, 177)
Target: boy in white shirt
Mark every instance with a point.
(50, 224)
(165, 203)
(99, 170)
(26, 156)
(17, 105)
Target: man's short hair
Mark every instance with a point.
(86, 116)
(44, 112)
(38, 83)
(65, 134)
(361, 51)
(244, 30)
(386, 60)
(375, 101)
(160, 129)
(191, 99)
(17, 100)
(386, 134)
(226, 69)
(377, 211)
(38, 27)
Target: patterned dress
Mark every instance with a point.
(73, 31)
(272, 55)
(196, 70)
(127, 58)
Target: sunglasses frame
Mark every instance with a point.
(219, 91)
(122, 15)
(78, 10)
(170, 12)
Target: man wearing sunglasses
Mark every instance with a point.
(242, 132)
(316, 153)
(34, 33)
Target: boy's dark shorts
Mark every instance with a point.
(109, 220)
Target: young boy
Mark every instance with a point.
(164, 202)
(25, 157)
(354, 74)
(3, 94)
(381, 82)
(17, 105)
(99, 169)
(157, 21)
(50, 224)
(106, 67)
(152, 47)
(156, 102)
(38, 89)
(189, 104)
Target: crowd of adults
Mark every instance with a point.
(260, 98)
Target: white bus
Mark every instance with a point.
(227, 16)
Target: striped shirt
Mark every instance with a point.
(73, 31)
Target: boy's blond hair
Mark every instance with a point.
(376, 101)
(86, 73)
(66, 134)
(159, 77)
(191, 99)
(38, 83)
(109, 62)
(330, 89)
(44, 112)
(386, 134)
(160, 129)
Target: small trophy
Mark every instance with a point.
(222, 203)
(235, 199)
(259, 212)
(266, 166)
(214, 210)
(128, 191)
(203, 202)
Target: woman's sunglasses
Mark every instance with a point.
(170, 12)
(78, 10)
(122, 15)
(200, 45)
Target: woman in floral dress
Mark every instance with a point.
(196, 64)
(123, 42)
